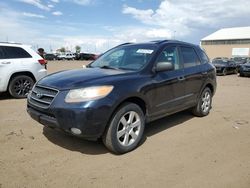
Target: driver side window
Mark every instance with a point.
(170, 54)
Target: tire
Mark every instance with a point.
(19, 86)
(204, 104)
(224, 72)
(241, 74)
(125, 130)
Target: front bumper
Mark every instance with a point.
(90, 117)
(245, 72)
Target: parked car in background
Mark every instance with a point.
(67, 56)
(244, 69)
(70, 56)
(221, 58)
(239, 61)
(224, 67)
(123, 89)
(50, 57)
(20, 68)
(86, 56)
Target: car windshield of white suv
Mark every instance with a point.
(132, 57)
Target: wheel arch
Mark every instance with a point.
(132, 99)
(211, 87)
(23, 73)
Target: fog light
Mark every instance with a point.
(76, 131)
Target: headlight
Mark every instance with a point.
(87, 94)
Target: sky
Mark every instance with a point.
(97, 25)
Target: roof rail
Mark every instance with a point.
(160, 41)
(11, 42)
(125, 43)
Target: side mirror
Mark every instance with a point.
(163, 66)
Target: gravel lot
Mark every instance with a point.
(178, 151)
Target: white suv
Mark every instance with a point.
(20, 68)
(67, 56)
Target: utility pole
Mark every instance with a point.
(174, 34)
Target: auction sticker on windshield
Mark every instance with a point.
(145, 51)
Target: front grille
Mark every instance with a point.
(42, 96)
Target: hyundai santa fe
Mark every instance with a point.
(128, 86)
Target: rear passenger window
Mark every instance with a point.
(190, 57)
(15, 52)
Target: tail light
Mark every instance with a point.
(42, 61)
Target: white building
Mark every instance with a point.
(228, 42)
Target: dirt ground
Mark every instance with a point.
(178, 151)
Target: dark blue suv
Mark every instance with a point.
(126, 87)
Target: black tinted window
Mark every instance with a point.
(1, 53)
(189, 56)
(15, 52)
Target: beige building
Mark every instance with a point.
(228, 42)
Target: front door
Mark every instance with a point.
(169, 86)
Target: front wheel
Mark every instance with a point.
(20, 86)
(125, 130)
(204, 104)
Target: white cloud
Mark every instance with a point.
(82, 2)
(36, 3)
(138, 14)
(187, 16)
(27, 14)
(55, 1)
(51, 6)
(57, 13)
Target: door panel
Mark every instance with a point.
(168, 89)
(193, 74)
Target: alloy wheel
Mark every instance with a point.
(128, 128)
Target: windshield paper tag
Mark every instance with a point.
(144, 51)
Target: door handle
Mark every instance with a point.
(6, 63)
(181, 78)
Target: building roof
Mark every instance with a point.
(229, 34)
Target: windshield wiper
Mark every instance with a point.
(107, 67)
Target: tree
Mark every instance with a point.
(62, 49)
(78, 49)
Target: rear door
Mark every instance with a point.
(193, 74)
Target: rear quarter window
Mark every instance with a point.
(15, 52)
(204, 58)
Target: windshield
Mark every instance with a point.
(131, 57)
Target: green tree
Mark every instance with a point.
(62, 49)
(78, 49)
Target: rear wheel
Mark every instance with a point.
(125, 130)
(204, 104)
(20, 86)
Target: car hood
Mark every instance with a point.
(78, 78)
